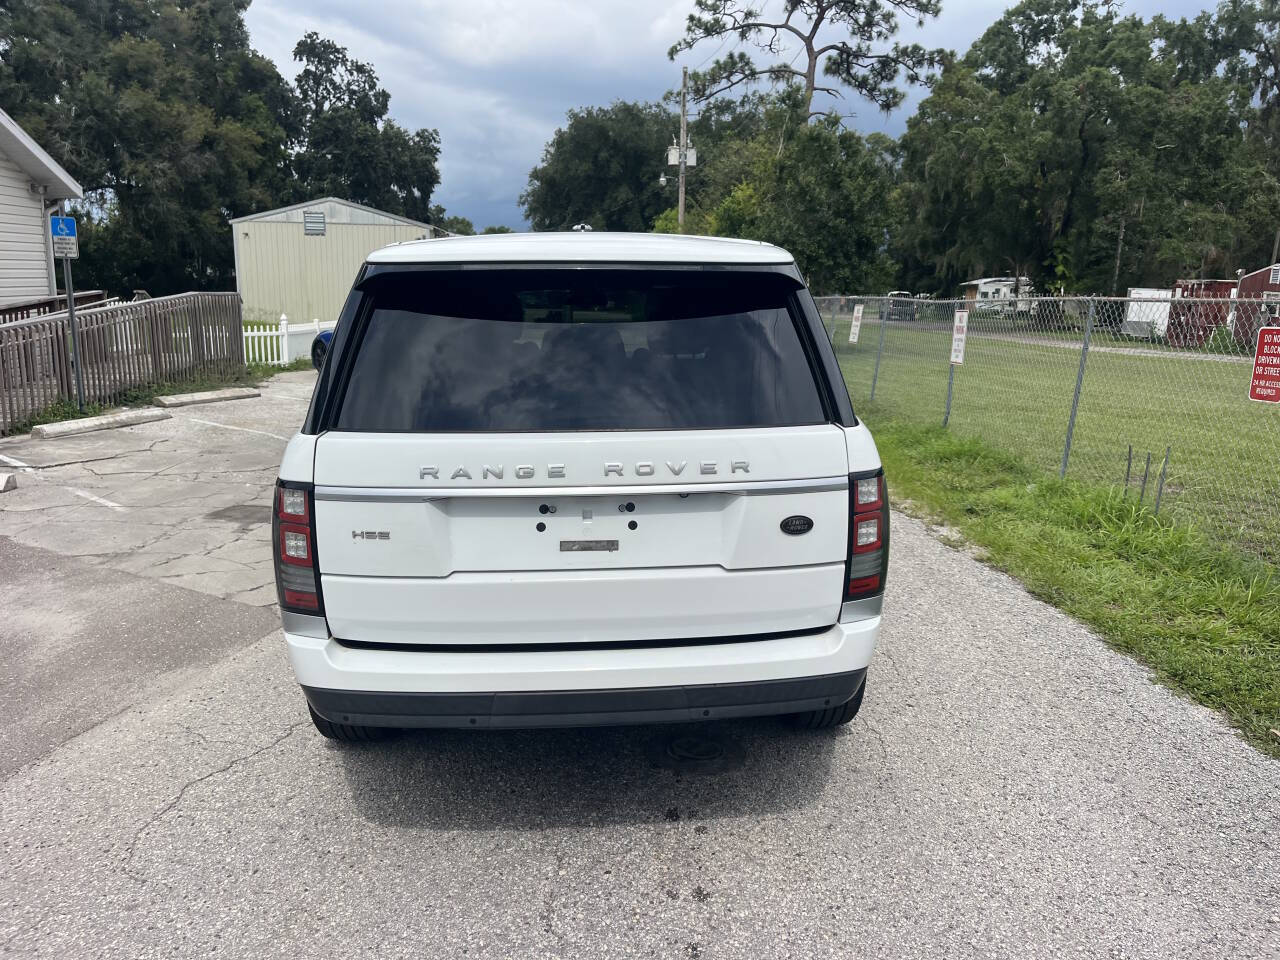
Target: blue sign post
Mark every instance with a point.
(66, 246)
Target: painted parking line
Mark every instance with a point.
(102, 501)
(227, 426)
(24, 467)
(97, 499)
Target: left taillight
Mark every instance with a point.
(293, 539)
(867, 566)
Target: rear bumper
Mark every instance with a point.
(567, 708)
(398, 687)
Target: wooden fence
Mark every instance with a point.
(25, 309)
(127, 345)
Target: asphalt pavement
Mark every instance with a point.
(1012, 787)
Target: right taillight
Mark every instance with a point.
(294, 545)
(868, 563)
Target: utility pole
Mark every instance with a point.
(684, 140)
(681, 154)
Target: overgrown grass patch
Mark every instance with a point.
(55, 413)
(258, 372)
(146, 394)
(141, 396)
(1205, 618)
(249, 375)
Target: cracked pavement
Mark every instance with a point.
(185, 501)
(1012, 787)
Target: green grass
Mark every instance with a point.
(265, 371)
(55, 413)
(1204, 617)
(1224, 448)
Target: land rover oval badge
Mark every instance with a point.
(796, 525)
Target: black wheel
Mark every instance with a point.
(831, 716)
(319, 347)
(347, 732)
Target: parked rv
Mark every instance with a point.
(999, 293)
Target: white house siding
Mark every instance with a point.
(280, 270)
(24, 267)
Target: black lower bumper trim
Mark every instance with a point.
(578, 646)
(572, 708)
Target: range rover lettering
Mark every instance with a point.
(574, 479)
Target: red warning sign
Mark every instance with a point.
(1265, 385)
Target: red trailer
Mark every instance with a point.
(1191, 323)
(1259, 304)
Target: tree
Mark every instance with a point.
(497, 228)
(816, 190)
(166, 116)
(1076, 145)
(822, 199)
(1248, 42)
(602, 168)
(174, 125)
(459, 225)
(847, 38)
(346, 147)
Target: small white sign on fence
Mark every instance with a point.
(958, 331)
(856, 325)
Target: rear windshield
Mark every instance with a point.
(565, 349)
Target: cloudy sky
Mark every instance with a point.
(496, 77)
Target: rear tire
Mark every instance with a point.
(319, 349)
(347, 732)
(832, 716)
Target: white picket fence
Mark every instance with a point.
(282, 344)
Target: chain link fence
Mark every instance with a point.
(1151, 396)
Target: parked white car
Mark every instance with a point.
(582, 478)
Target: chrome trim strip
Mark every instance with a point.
(533, 571)
(422, 494)
(853, 610)
(304, 625)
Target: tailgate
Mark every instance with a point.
(585, 537)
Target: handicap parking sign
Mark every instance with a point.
(65, 242)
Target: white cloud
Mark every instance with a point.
(496, 77)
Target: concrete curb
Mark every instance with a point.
(207, 396)
(108, 421)
(8, 481)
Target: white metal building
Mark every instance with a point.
(300, 260)
(30, 180)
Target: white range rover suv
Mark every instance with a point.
(584, 478)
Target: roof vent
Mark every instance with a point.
(1275, 273)
(313, 223)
